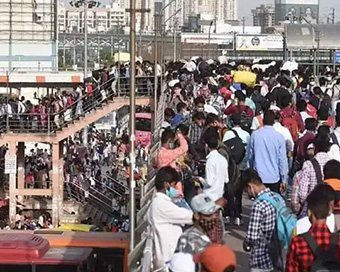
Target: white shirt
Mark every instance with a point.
(244, 135)
(216, 172)
(286, 134)
(166, 221)
(305, 116)
(303, 225)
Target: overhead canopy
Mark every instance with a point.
(303, 36)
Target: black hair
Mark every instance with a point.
(165, 174)
(236, 119)
(214, 89)
(317, 90)
(240, 96)
(269, 118)
(210, 136)
(199, 100)
(277, 115)
(301, 105)
(198, 116)
(331, 170)
(321, 143)
(323, 114)
(311, 124)
(212, 142)
(204, 81)
(168, 112)
(286, 100)
(265, 105)
(167, 135)
(180, 106)
(211, 118)
(316, 201)
(250, 176)
(324, 130)
(322, 81)
(184, 129)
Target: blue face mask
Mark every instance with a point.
(171, 192)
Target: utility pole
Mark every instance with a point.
(243, 24)
(132, 10)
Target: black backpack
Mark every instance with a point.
(233, 170)
(325, 261)
(237, 148)
(246, 120)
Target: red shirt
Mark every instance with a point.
(239, 109)
(89, 89)
(300, 257)
(291, 111)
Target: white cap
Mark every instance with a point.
(210, 61)
(182, 262)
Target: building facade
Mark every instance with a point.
(264, 16)
(28, 35)
(104, 18)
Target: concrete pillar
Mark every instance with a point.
(21, 168)
(12, 187)
(57, 182)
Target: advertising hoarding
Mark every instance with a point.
(259, 42)
(308, 9)
(204, 39)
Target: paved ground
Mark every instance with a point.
(236, 235)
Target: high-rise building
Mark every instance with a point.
(219, 10)
(287, 10)
(264, 16)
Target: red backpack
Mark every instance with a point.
(289, 121)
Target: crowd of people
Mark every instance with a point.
(267, 130)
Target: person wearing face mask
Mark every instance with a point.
(182, 115)
(165, 218)
(262, 223)
(195, 239)
(167, 154)
(199, 104)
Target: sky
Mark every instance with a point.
(245, 6)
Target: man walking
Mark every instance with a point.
(267, 154)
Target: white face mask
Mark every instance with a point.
(329, 78)
(172, 145)
(312, 83)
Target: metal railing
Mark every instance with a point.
(140, 258)
(50, 122)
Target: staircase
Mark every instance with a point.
(58, 126)
(97, 201)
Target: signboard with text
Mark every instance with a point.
(204, 39)
(10, 164)
(259, 42)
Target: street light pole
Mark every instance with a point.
(8, 73)
(132, 120)
(85, 39)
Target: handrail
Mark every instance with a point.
(115, 181)
(109, 207)
(108, 187)
(86, 104)
(140, 258)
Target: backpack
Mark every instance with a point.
(233, 170)
(286, 219)
(237, 148)
(290, 122)
(325, 260)
(246, 120)
(311, 111)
